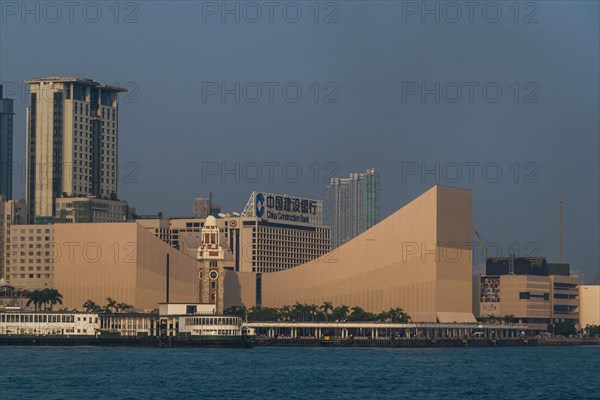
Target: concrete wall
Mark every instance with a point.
(589, 305)
(510, 304)
(419, 259)
(240, 289)
(561, 286)
(122, 261)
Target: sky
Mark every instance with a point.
(231, 97)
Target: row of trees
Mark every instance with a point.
(111, 306)
(312, 312)
(497, 318)
(44, 299)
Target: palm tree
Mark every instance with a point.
(253, 314)
(297, 312)
(396, 315)
(111, 305)
(326, 308)
(122, 307)
(358, 314)
(340, 313)
(91, 306)
(52, 297)
(238, 311)
(314, 311)
(286, 313)
(37, 298)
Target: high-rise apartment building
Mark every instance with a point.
(352, 205)
(6, 145)
(72, 141)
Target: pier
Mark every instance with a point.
(389, 331)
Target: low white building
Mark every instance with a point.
(49, 323)
(197, 319)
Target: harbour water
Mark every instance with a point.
(300, 373)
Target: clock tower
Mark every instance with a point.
(210, 258)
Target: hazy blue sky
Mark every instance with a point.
(370, 62)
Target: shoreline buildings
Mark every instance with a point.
(352, 205)
(418, 259)
(73, 234)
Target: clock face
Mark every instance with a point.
(213, 275)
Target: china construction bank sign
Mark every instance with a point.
(282, 207)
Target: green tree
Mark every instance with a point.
(396, 315)
(37, 298)
(299, 312)
(340, 313)
(326, 308)
(123, 306)
(593, 330)
(564, 328)
(237, 311)
(111, 304)
(358, 314)
(286, 313)
(52, 297)
(91, 306)
(508, 318)
(313, 311)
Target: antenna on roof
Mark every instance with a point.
(560, 231)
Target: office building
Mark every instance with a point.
(419, 259)
(352, 205)
(72, 141)
(537, 300)
(90, 209)
(6, 146)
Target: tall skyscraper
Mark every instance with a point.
(72, 141)
(6, 145)
(352, 205)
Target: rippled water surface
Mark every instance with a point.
(299, 373)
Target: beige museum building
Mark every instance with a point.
(419, 259)
(122, 261)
